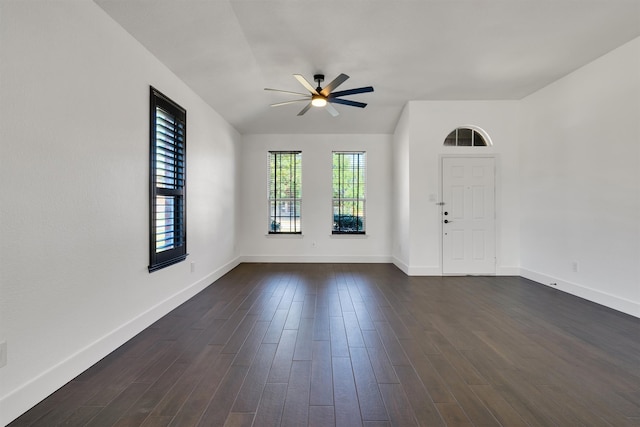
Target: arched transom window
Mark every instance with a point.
(467, 136)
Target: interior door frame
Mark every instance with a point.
(496, 201)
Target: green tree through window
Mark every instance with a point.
(285, 192)
(349, 185)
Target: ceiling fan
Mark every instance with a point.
(323, 97)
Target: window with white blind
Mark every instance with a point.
(349, 192)
(168, 227)
(285, 192)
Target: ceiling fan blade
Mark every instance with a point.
(305, 109)
(331, 109)
(347, 102)
(277, 104)
(305, 83)
(285, 91)
(351, 91)
(334, 84)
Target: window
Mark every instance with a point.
(167, 190)
(466, 137)
(349, 187)
(285, 185)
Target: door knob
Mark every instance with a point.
(446, 221)
(446, 213)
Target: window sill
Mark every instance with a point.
(285, 235)
(349, 235)
(167, 263)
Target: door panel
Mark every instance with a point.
(468, 215)
(477, 204)
(457, 202)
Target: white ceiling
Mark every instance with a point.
(228, 51)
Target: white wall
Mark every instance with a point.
(580, 173)
(428, 125)
(316, 244)
(74, 111)
(401, 202)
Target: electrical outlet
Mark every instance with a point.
(193, 266)
(3, 353)
(574, 266)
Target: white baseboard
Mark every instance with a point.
(506, 270)
(401, 265)
(437, 271)
(412, 270)
(317, 259)
(425, 270)
(416, 270)
(20, 400)
(623, 305)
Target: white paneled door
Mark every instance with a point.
(468, 215)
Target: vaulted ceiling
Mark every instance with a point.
(228, 51)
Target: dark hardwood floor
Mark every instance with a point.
(363, 344)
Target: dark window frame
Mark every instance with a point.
(471, 138)
(349, 222)
(167, 182)
(276, 201)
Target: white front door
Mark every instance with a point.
(468, 215)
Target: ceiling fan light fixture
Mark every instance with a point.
(323, 97)
(318, 101)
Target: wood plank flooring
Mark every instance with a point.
(364, 345)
